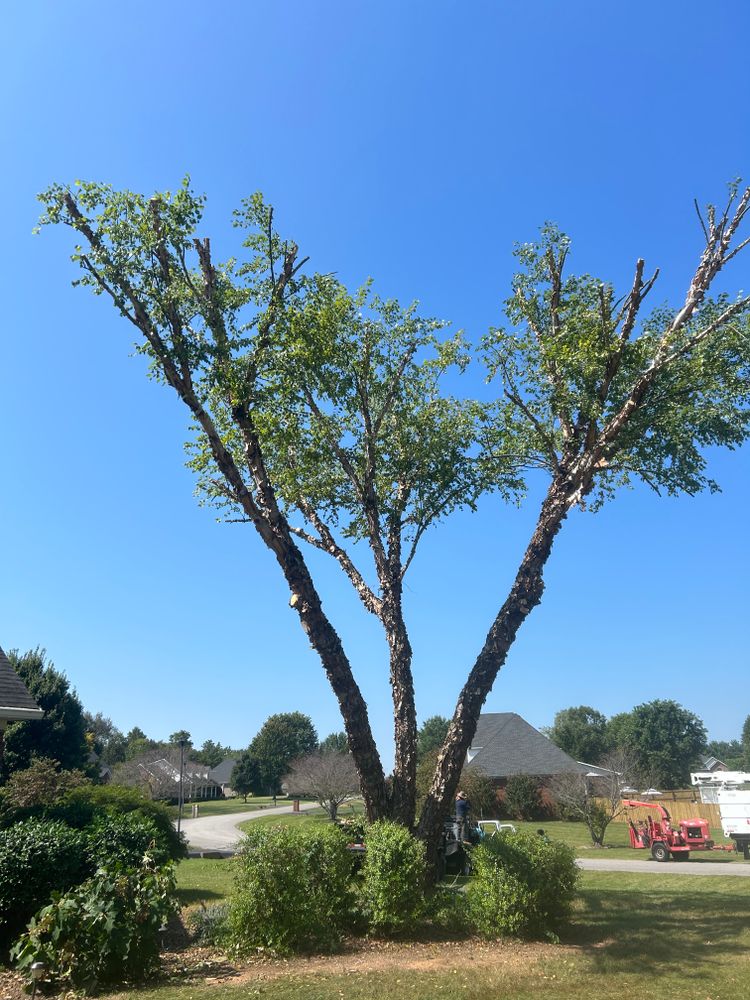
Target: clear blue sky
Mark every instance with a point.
(414, 142)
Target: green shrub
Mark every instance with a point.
(209, 924)
(37, 857)
(393, 878)
(523, 886)
(292, 890)
(124, 838)
(82, 806)
(523, 798)
(104, 932)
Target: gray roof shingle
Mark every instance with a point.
(222, 773)
(15, 700)
(506, 745)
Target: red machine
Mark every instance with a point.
(663, 839)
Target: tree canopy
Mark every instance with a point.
(246, 777)
(664, 739)
(61, 734)
(581, 732)
(282, 739)
(431, 735)
(335, 741)
(321, 416)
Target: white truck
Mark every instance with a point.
(734, 806)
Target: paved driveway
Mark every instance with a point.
(666, 867)
(220, 833)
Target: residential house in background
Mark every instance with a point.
(16, 704)
(506, 745)
(222, 775)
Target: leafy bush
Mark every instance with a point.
(42, 784)
(37, 857)
(523, 886)
(292, 890)
(447, 909)
(393, 877)
(523, 799)
(82, 806)
(124, 838)
(209, 924)
(104, 932)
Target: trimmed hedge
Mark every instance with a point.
(292, 891)
(393, 878)
(523, 886)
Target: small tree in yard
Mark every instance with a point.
(329, 776)
(595, 801)
(320, 418)
(523, 797)
(246, 777)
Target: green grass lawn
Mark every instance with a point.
(316, 816)
(636, 935)
(218, 807)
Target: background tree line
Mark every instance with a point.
(664, 740)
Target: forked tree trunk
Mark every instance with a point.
(525, 594)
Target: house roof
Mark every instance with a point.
(505, 745)
(222, 773)
(15, 700)
(713, 764)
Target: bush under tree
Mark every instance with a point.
(292, 891)
(523, 886)
(393, 878)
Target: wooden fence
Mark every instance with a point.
(682, 808)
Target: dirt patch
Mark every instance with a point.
(361, 956)
(358, 956)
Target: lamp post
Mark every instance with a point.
(179, 794)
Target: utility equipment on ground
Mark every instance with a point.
(665, 840)
(734, 806)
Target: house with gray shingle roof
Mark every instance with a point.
(222, 775)
(506, 745)
(16, 703)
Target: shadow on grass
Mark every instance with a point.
(682, 930)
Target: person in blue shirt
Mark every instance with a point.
(462, 814)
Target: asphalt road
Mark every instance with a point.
(220, 833)
(666, 867)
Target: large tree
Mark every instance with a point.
(110, 743)
(61, 734)
(320, 417)
(580, 732)
(281, 739)
(664, 739)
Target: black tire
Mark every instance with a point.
(660, 852)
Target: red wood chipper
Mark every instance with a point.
(665, 840)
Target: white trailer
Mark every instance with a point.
(734, 806)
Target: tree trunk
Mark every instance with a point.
(525, 594)
(403, 789)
